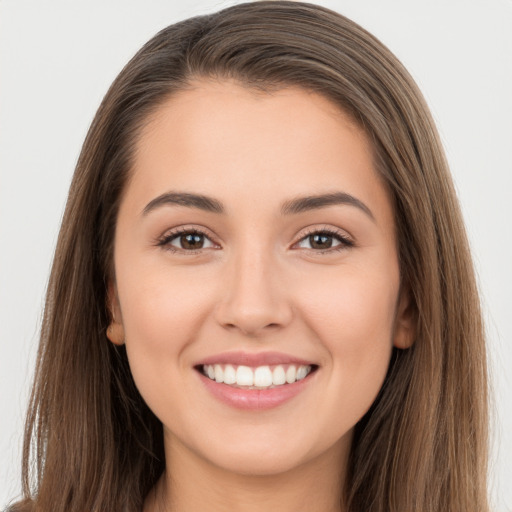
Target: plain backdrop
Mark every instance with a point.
(57, 59)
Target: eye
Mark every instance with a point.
(325, 241)
(186, 240)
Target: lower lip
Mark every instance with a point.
(254, 399)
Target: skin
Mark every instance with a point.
(256, 284)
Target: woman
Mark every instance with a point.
(256, 286)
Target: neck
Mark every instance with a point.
(192, 483)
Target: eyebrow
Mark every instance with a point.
(199, 201)
(290, 207)
(302, 204)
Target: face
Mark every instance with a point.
(256, 243)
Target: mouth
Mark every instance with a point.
(256, 378)
(256, 381)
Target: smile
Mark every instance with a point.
(256, 382)
(261, 377)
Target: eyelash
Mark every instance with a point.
(345, 241)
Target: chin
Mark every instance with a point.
(269, 456)
(258, 463)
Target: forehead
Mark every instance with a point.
(212, 113)
(226, 140)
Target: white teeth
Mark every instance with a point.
(278, 376)
(301, 372)
(261, 377)
(244, 376)
(229, 375)
(219, 373)
(291, 373)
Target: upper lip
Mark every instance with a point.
(253, 359)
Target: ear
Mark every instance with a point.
(115, 331)
(405, 321)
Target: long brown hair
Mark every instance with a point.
(92, 444)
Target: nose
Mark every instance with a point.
(253, 299)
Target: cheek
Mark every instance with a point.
(352, 310)
(159, 305)
(161, 313)
(353, 320)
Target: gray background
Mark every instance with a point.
(57, 59)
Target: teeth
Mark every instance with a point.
(301, 372)
(244, 376)
(229, 375)
(219, 373)
(261, 377)
(291, 373)
(278, 376)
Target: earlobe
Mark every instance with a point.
(405, 322)
(115, 331)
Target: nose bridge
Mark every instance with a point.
(253, 295)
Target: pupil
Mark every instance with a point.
(321, 241)
(191, 241)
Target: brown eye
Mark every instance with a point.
(320, 241)
(186, 241)
(325, 241)
(192, 241)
